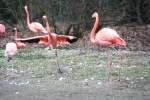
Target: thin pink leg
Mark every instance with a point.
(120, 63)
(109, 65)
(57, 62)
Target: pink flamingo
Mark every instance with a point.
(106, 37)
(18, 43)
(2, 30)
(55, 39)
(34, 26)
(10, 51)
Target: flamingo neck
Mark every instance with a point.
(48, 28)
(93, 32)
(52, 43)
(28, 19)
(17, 45)
(16, 34)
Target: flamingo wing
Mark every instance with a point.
(35, 39)
(66, 39)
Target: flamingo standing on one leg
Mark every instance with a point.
(2, 30)
(106, 37)
(34, 26)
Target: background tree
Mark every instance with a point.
(76, 13)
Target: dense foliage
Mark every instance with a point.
(112, 12)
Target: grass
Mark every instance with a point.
(40, 63)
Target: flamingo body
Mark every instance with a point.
(11, 50)
(37, 27)
(107, 36)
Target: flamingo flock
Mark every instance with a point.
(105, 37)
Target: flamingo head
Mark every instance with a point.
(15, 29)
(95, 14)
(44, 17)
(25, 7)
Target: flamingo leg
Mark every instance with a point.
(120, 63)
(57, 62)
(8, 59)
(119, 53)
(109, 65)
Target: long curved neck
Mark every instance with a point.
(16, 34)
(28, 19)
(52, 40)
(47, 25)
(93, 32)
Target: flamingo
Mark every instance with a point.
(106, 37)
(2, 29)
(18, 43)
(10, 51)
(34, 26)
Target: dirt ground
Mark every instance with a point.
(32, 75)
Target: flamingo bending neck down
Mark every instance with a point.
(10, 50)
(106, 37)
(34, 26)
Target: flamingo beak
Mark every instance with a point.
(72, 39)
